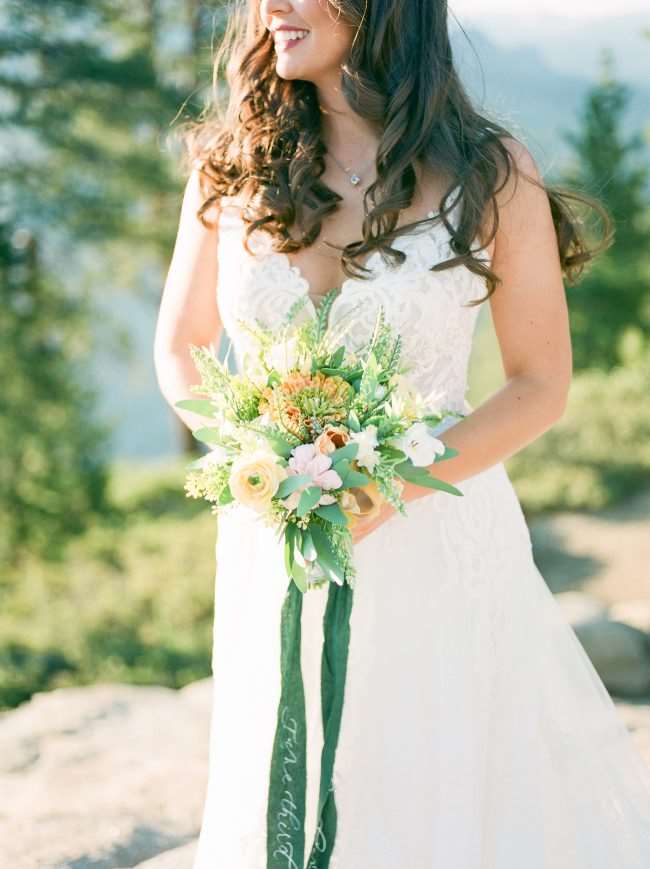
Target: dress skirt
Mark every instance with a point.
(475, 733)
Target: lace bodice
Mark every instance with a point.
(426, 307)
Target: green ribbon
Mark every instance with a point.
(288, 778)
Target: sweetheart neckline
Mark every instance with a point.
(304, 284)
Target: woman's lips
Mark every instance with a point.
(286, 44)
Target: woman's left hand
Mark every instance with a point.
(364, 525)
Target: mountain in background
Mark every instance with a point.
(572, 46)
(516, 86)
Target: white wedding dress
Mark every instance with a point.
(475, 734)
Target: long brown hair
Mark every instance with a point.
(266, 147)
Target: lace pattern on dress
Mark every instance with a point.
(426, 307)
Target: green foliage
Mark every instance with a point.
(612, 301)
(89, 181)
(598, 452)
(132, 602)
(52, 452)
(89, 101)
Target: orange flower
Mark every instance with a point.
(331, 438)
(300, 401)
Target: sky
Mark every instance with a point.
(578, 8)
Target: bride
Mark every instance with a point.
(475, 732)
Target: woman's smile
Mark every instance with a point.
(286, 39)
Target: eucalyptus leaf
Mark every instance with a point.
(207, 435)
(355, 478)
(422, 477)
(332, 513)
(349, 451)
(299, 575)
(308, 499)
(290, 536)
(449, 453)
(202, 406)
(341, 467)
(291, 483)
(308, 548)
(278, 444)
(326, 555)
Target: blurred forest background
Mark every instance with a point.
(106, 568)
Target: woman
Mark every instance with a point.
(475, 732)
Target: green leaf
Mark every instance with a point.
(291, 483)
(422, 477)
(207, 435)
(289, 538)
(226, 496)
(326, 555)
(308, 498)
(355, 478)
(299, 575)
(391, 452)
(332, 513)
(449, 453)
(198, 405)
(308, 549)
(337, 357)
(349, 451)
(278, 444)
(353, 422)
(342, 467)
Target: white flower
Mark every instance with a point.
(433, 400)
(254, 370)
(285, 357)
(367, 455)
(419, 445)
(218, 455)
(405, 400)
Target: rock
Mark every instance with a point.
(620, 654)
(104, 776)
(619, 647)
(113, 776)
(635, 613)
(177, 858)
(579, 607)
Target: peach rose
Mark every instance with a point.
(255, 477)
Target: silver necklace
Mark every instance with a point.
(353, 177)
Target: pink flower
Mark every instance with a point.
(306, 459)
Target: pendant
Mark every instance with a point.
(354, 179)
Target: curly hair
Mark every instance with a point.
(266, 147)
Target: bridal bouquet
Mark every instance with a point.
(312, 436)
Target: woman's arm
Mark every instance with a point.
(188, 311)
(532, 326)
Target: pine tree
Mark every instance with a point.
(89, 92)
(610, 308)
